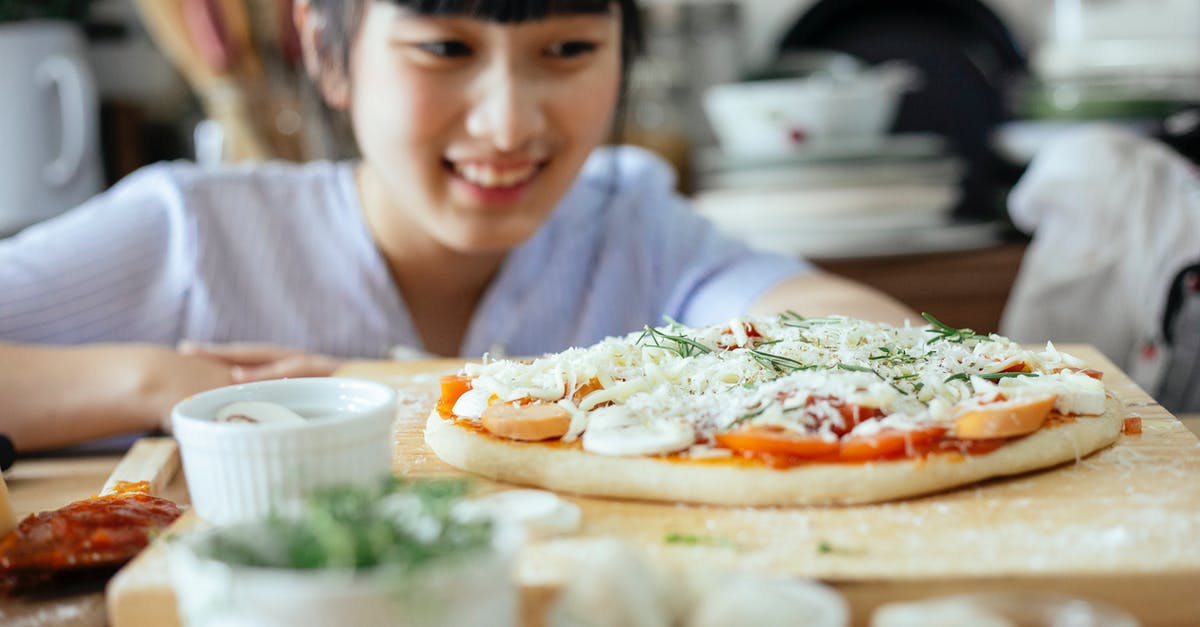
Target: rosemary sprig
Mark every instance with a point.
(854, 368)
(946, 332)
(790, 318)
(893, 357)
(990, 376)
(754, 414)
(777, 363)
(680, 344)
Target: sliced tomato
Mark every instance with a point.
(452, 387)
(888, 443)
(775, 441)
(531, 423)
(751, 333)
(852, 415)
(1004, 418)
(1091, 372)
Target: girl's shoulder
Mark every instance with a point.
(272, 194)
(259, 179)
(618, 184)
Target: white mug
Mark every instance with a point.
(49, 111)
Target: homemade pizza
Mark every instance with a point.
(783, 410)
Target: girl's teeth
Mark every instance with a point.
(485, 176)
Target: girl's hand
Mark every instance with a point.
(258, 362)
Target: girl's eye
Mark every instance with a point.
(448, 49)
(571, 49)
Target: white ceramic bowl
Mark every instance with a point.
(212, 593)
(238, 472)
(775, 118)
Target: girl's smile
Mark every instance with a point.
(493, 182)
(472, 130)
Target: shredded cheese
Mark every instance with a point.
(792, 373)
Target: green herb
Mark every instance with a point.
(854, 368)
(754, 414)
(825, 547)
(399, 524)
(962, 376)
(893, 356)
(679, 344)
(990, 376)
(800, 322)
(692, 539)
(949, 333)
(778, 363)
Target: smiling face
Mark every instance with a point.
(471, 130)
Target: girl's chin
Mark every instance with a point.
(488, 239)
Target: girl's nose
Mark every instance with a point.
(507, 111)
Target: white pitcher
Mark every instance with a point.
(49, 141)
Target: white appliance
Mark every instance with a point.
(49, 140)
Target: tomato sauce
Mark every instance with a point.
(917, 448)
(96, 534)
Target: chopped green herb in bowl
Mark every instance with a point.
(387, 554)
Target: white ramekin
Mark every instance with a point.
(240, 472)
(474, 591)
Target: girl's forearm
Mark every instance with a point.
(55, 396)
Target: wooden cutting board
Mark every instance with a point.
(1122, 526)
(155, 460)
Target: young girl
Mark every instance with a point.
(481, 217)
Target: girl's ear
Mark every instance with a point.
(330, 77)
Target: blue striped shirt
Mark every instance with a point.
(280, 253)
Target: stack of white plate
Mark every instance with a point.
(891, 195)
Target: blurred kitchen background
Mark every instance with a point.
(879, 138)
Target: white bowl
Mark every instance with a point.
(213, 593)
(774, 118)
(238, 472)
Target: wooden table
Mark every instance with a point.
(1122, 526)
(1152, 571)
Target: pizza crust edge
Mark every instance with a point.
(645, 478)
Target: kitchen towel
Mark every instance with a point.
(1115, 218)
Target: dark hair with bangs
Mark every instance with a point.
(343, 18)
